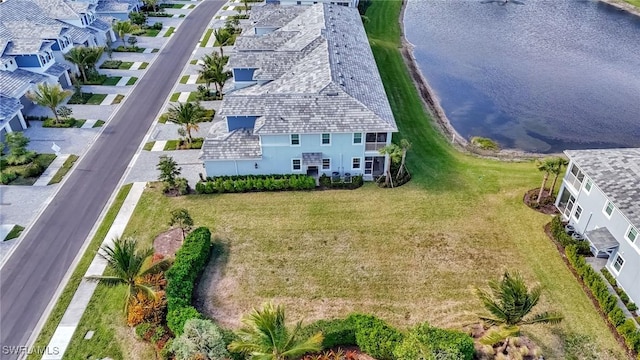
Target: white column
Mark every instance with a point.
(21, 118)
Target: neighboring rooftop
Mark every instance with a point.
(617, 173)
(9, 108)
(14, 83)
(239, 144)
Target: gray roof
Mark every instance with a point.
(275, 16)
(314, 158)
(9, 108)
(79, 35)
(617, 173)
(239, 144)
(100, 25)
(14, 83)
(114, 6)
(602, 239)
(57, 69)
(56, 9)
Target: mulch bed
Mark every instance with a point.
(168, 243)
(546, 206)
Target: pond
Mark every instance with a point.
(543, 76)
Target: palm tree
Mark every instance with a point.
(188, 115)
(127, 264)
(222, 38)
(123, 28)
(93, 55)
(77, 56)
(266, 337)
(545, 166)
(509, 301)
(557, 164)
(151, 3)
(394, 155)
(213, 71)
(405, 145)
(49, 96)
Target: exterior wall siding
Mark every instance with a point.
(593, 216)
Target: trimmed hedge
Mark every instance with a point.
(374, 336)
(181, 277)
(557, 230)
(623, 295)
(240, 184)
(606, 300)
(336, 332)
(427, 342)
(356, 182)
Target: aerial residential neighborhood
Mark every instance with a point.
(275, 179)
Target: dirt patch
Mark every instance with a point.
(546, 205)
(168, 243)
(520, 347)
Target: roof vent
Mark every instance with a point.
(341, 82)
(340, 74)
(332, 94)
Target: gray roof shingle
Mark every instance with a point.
(8, 108)
(617, 173)
(14, 83)
(239, 144)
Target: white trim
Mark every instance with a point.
(359, 163)
(604, 209)
(321, 139)
(626, 234)
(587, 181)
(291, 140)
(577, 219)
(613, 263)
(322, 166)
(353, 138)
(293, 168)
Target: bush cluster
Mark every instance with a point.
(356, 182)
(606, 300)
(336, 332)
(64, 123)
(7, 177)
(79, 98)
(181, 277)
(557, 230)
(623, 295)
(111, 64)
(239, 184)
(427, 342)
(375, 337)
(122, 48)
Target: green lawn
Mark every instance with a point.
(634, 2)
(96, 99)
(169, 31)
(143, 65)
(132, 80)
(125, 65)
(118, 99)
(193, 62)
(14, 233)
(193, 96)
(171, 6)
(44, 159)
(112, 80)
(185, 78)
(65, 298)
(148, 146)
(151, 33)
(98, 123)
(206, 37)
(64, 169)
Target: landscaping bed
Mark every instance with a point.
(123, 48)
(26, 174)
(63, 123)
(79, 98)
(546, 205)
(183, 144)
(14, 233)
(64, 169)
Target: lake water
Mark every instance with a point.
(544, 76)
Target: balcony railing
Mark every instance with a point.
(374, 146)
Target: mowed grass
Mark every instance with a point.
(634, 2)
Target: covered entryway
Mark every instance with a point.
(601, 242)
(313, 162)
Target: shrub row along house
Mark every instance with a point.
(307, 98)
(600, 198)
(34, 37)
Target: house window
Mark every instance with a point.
(326, 164)
(357, 138)
(299, 2)
(576, 215)
(326, 139)
(588, 185)
(295, 139)
(296, 164)
(618, 262)
(355, 163)
(632, 234)
(608, 209)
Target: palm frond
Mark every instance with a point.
(544, 318)
(497, 335)
(106, 280)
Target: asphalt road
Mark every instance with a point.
(30, 277)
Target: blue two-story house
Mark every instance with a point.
(307, 99)
(600, 198)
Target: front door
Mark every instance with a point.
(312, 171)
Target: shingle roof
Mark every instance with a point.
(113, 6)
(100, 24)
(617, 173)
(56, 9)
(272, 15)
(602, 239)
(57, 69)
(14, 83)
(79, 35)
(9, 108)
(235, 145)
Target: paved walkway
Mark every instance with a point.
(192, 79)
(159, 145)
(109, 99)
(89, 124)
(53, 168)
(184, 96)
(136, 65)
(124, 80)
(71, 318)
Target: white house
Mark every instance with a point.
(600, 197)
(307, 98)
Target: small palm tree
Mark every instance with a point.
(49, 96)
(545, 165)
(188, 115)
(128, 266)
(266, 337)
(395, 155)
(93, 55)
(77, 56)
(405, 145)
(213, 71)
(122, 28)
(510, 301)
(222, 38)
(557, 164)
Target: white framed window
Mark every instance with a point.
(326, 164)
(588, 185)
(296, 164)
(576, 215)
(617, 263)
(632, 234)
(356, 163)
(357, 138)
(608, 209)
(326, 139)
(295, 139)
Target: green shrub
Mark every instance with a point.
(111, 64)
(229, 336)
(51, 123)
(609, 277)
(202, 339)
(7, 177)
(235, 184)
(158, 333)
(166, 353)
(557, 230)
(336, 332)
(157, 26)
(374, 336)
(190, 260)
(356, 182)
(632, 306)
(33, 170)
(426, 342)
(616, 316)
(484, 143)
(142, 329)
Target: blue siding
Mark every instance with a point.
(28, 61)
(243, 74)
(236, 122)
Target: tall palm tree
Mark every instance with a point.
(557, 164)
(122, 28)
(510, 301)
(49, 96)
(545, 166)
(405, 145)
(394, 153)
(77, 56)
(266, 337)
(188, 115)
(93, 55)
(213, 70)
(222, 38)
(128, 265)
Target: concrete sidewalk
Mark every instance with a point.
(71, 318)
(50, 172)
